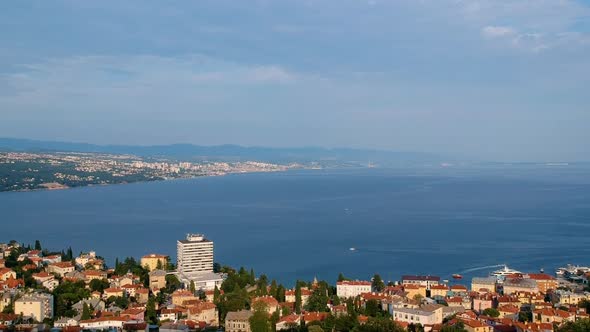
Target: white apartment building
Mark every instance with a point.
(195, 254)
(195, 262)
(38, 306)
(352, 288)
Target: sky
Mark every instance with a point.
(501, 80)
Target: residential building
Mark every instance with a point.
(563, 297)
(355, 288)
(61, 268)
(194, 254)
(474, 325)
(426, 315)
(38, 306)
(305, 294)
(154, 261)
(204, 312)
(268, 302)
(484, 285)
(6, 273)
(439, 291)
(104, 323)
(238, 321)
(157, 279)
(195, 262)
(544, 281)
(514, 285)
(288, 322)
(84, 258)
(414, 290)
(426, 281)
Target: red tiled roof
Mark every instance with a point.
(354, 283)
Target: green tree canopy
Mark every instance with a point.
(377, 284)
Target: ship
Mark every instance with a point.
(503, 272)
(457, 276)
(571, 269)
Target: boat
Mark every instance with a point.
(571, 269)
(352, 249)
(457, 276)
(503, 272)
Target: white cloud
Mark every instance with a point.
(497, 31)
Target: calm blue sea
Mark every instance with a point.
(297, 225)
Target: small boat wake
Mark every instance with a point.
(482, 268)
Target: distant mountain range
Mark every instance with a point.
(191, 152)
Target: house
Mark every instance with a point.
(204, 312)
(84, 258)
(90, 275)
(309, 317)
(414, 290)
(157, 279)
(103, 323)
(508, 311)
(483, 302)
(130, 289)
(483, 285)
(180, 296)
(474, 325)
(533, 327)
(268, 302)
(92, 303)
(565, 298)
(426, 315)
(439, 291)
(514, 285)
(137, 314)
(544, 281)
(288, 322)
(553, 316)
(60, 268)
(458, 290)
(426, 281)
(152, 262)
(66, 322)
(6, 273)
(238, 321)
(37, 306)
(305, 294)
(51, 259)
(355, 288)
(142, 295)
(113, 291)
(169, 314)
(46, 280)
(11, 283)
(458, 301)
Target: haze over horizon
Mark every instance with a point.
(495, 80)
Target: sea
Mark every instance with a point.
(299, 225)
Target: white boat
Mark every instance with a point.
(352, 249)
(571, 269)
(503, 272)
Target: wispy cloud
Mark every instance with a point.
(497, 31)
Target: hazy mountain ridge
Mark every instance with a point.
(232, 152)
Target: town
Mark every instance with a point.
(21, 171)
(58, 291)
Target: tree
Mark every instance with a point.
(38, 245)
(315, 328)
(192, 287)
(457, 327)
(150, 311)
(98, 285)
(159, 265)
(582, 325)
(318, 300)
(371, 308)
(341, 277)
(216, 267)
(259, 320)
(216, 295)
(378, 285)
(380, 324)
(172, 283)
(86, 312)
(298, 298)
(492, 312)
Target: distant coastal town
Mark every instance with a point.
(25, 171)
(42, 289)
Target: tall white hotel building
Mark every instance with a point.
(195, 262)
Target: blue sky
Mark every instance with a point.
(491, 79)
